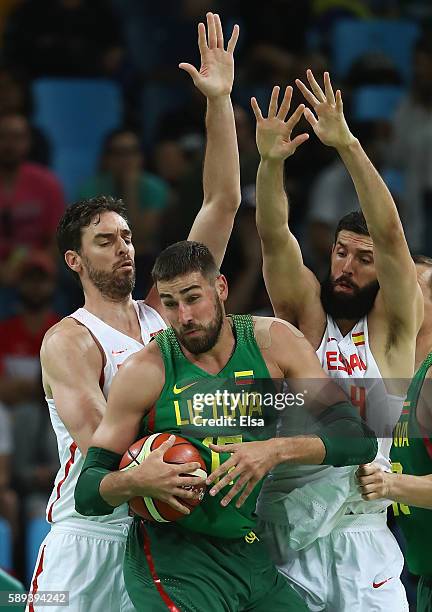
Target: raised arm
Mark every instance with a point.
(221, 174)
(402, 299)
(292, 288)
(101, 487)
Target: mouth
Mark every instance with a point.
(345, 287)
(125, 265)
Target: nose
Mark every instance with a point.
(348, 266)
(184, 314)
(122, 247)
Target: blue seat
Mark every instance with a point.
(375, 102)
(5, 545)
(156, 100)
(37, 529)
(352, 39)
(75, 115)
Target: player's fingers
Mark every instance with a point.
(286, 103)
(186, 468)
(369, 488)
(234, 38)
(315, 87)
(256, 109)
(211, 31)
(366, 469)
(202, 39)
(307, 94)
(234, 490)
(224, 448)
(225, 481)
(190, 481)
(219, 32)
(370, 496)
(174, 503)
(190, 70)
(218, 472)
(310, 117)
(299, 140)
(328, 89)
(162, 449)
(246, 492)
(186, 493)
(295, 118)
(273, 102)
(339, 103)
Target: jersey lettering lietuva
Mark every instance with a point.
(116, 347)
(412, 454)
(180, 411)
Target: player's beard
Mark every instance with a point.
(113, 285)
(205, 341)
(343, 306)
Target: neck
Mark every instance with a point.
(215, 360)
(346, 325)
(119, 314)
(424, 340)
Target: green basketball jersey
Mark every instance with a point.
(221, 409)
(412, 454)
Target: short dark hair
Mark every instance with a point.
(353, 222)
(182, 258)
(79, 215)
(423, 260)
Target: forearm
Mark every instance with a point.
(93, 499)
(410, 490)
(376, 202)
(221, 173)
(271, 201)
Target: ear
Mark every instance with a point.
(73, 261)
(221, 285)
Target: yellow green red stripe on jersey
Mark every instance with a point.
(406, 406)
(358, 338)
(244, 377)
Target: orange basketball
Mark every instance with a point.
(182, 451)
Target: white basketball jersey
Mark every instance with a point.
(350, 360)
(117, 347)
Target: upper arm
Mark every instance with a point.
(213, 226)
(134, 391)
(400, 292)
(293, 289)
(72, 365)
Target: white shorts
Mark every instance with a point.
(356, 568)
(87, 564)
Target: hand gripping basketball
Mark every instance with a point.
(168, 476)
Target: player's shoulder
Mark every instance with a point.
(68, 334)
(269, 329)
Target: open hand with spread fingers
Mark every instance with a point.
(273, 134)
(374, 483)
(328, 122)
(216, 75)
(248, 464)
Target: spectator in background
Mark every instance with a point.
(63, 37)
(35, 450)
(8, 498)
(31, 199)
(411, 150)
(145, 195)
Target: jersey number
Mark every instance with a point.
(215, 457)
(358, 399)
(397, 507)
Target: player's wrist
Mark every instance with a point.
(348, 145)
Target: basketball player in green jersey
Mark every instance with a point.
(410, 484)
(210, 560)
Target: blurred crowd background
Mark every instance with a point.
(92, 102)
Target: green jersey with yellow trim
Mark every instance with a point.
(412, 454)
(218, 408)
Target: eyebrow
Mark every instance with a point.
(362, 251)
(182, 291)
(103, 235)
